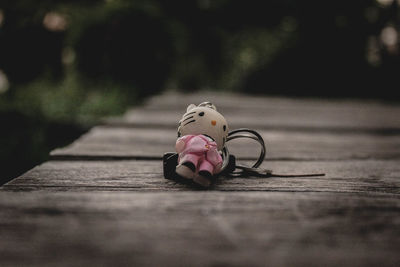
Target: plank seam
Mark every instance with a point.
(384, 131)
(188, 189)
(68, 157)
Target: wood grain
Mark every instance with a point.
(272, 113)
(380, 176)
(103, 200)
(198, 229)
(290, 145)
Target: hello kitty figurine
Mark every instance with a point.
(202, 134)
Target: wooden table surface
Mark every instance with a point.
(103, 200)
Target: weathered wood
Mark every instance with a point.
(291, 145)
(272, 113)
(198, 229)
(317, 120)
(358, 176)
(104, 200)
(231, 101)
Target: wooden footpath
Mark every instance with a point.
(103, 201)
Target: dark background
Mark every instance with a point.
(65, 64)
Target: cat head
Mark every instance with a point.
(204, 119)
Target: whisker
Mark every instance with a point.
(187, 118)
(185, 115)
(189, 122)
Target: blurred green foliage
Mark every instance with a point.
(273, 47)
(65, 64)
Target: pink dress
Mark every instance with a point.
(201, 151)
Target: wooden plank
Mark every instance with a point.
(114, 211)
(272, 113)
(198, 229)
(229, 100)
(318, 120)
(291, 145)
(357, 176)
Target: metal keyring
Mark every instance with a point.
(245, 133)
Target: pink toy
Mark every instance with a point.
(201, 151)
(202, 134)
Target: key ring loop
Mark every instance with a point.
(244, 133)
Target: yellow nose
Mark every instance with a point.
(213, 122)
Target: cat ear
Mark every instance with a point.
(190, 107)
